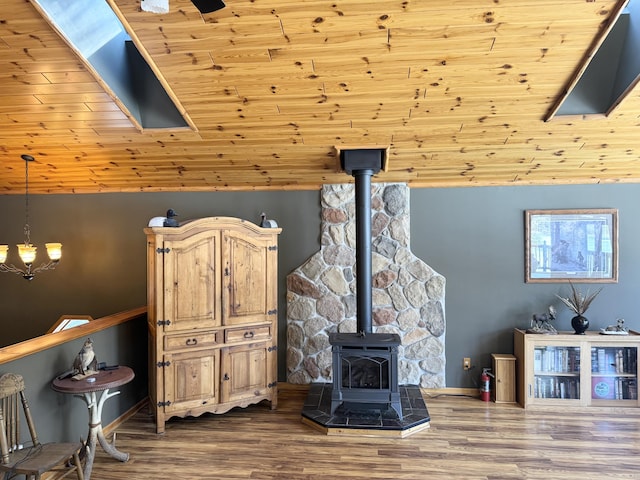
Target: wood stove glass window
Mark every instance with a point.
(365, 368)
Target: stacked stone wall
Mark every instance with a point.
(408, 295)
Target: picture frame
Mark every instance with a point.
(580, 245)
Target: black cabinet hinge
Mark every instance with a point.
(164, 404)
(164, 323)
(272, 385)
(163, 364)
(163, 250)
(272, 312)
(272, 248)
(272, 348)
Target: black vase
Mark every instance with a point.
(580, 324)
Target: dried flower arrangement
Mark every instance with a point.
(577, 301)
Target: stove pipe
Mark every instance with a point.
(362, 164)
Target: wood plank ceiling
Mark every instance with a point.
(458, 89)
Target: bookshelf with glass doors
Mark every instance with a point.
(593, 369)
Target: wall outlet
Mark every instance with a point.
(466, 363)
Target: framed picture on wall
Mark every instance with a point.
(579, 245)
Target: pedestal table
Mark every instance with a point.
(95, 393)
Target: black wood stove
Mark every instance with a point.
(365, 364)
(365, 370)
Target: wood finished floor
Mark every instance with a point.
(468, 439)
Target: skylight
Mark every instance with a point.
(99, 38)
(88, 29)
(610, 70)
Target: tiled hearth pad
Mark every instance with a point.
(365, 419)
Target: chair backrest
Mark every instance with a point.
(12, 401)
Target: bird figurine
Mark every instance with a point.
(167, 221)
(170, 221)
(266, 223)
(86, 359)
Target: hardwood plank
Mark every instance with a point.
(468, 439)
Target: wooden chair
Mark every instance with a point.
(24, 459)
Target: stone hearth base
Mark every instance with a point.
(365, 420)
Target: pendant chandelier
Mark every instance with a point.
(27, 251)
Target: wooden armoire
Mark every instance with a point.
(212, 316)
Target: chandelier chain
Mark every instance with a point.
(27, 229)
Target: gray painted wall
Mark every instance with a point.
(63, 417)
(472, 236)
(475, 238)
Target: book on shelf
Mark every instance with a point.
(537, 360)
(602, 360)
(632, 387)
(619, 361)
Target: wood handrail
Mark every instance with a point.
(43, 342)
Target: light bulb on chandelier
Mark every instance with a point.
(27, 251)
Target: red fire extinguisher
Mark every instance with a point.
(485, 385)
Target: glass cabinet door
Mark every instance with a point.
(556, 372)
(614, 373)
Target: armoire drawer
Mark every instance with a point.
(259, 332)
(190, 340)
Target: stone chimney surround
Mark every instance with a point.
(408, 295)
